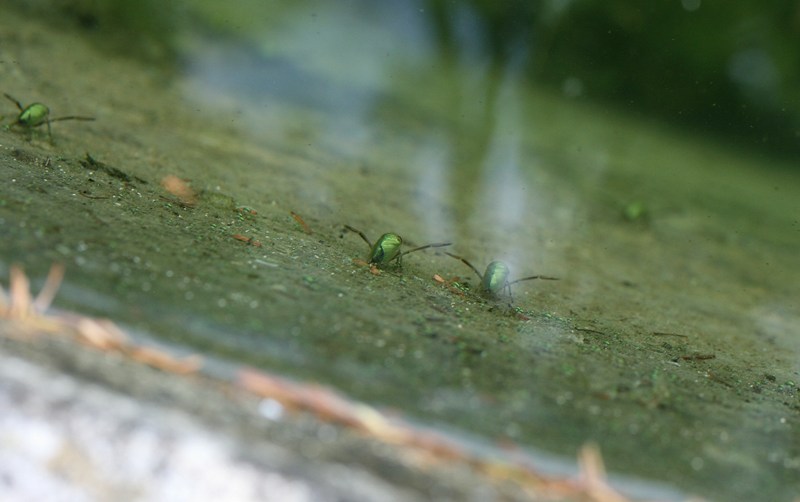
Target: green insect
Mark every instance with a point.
(37, 114)
(387, 248)
(495, 279)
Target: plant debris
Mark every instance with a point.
(96, 165)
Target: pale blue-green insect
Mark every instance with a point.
(36, 114)
(387, 248)
(495, 279)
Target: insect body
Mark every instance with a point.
(37, 114)
(387, 248)
(495, 279)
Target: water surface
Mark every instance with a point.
(671, 338)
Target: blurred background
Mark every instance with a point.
(730, 71)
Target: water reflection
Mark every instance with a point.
(428, 93)
(438, 107)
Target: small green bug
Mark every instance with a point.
(387, 248)
(36, 114)
(495, 279)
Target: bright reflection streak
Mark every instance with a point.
(432, 187)
(507, 197)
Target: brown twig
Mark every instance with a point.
(29, 316)
(302, 222)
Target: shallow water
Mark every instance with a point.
(671, 338)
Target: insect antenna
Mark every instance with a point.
(19, 105)
(426, 246)
(359, 232)
(543, 277)
(467, 263)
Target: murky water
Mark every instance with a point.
(671, 337)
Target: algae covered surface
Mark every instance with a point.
(671, 338)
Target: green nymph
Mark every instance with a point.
(36, 114)
(387, 248)
(495, 279)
